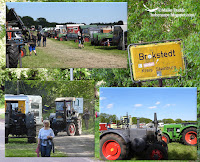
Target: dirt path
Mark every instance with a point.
(75, 146)
(81, 58)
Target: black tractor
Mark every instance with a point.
(17, 36)
(66, 117)
(120, 144)
(120, 37)
(19, 125)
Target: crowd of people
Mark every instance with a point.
(32, 46)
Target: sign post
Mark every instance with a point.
(155, 60)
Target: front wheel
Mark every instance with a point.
(156, 152)
(113, 147)
(71, 129)
(23, 52)
(165, 138)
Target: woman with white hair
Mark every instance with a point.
(45, 138)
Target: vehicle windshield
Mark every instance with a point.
(59, 105)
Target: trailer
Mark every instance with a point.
(74, 28)
(25, 104)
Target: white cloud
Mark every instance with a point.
(157, 103)
(168, 105)
(137, 105)
(109, 106)
(152, 107)
(102, 98)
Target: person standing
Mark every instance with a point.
(45, 139)
(39, 36)
(44, 40)
(32, 46)
(86, 117)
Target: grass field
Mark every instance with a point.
(98, 49)
(50, 58)
(20, 148)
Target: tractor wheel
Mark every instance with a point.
(113, 147)
(120, 44)
(61, 38)
(23, 52)
(156, 152)
(78, 127)
(13, 55)
(6, 135)
(165, 138)
(55, 133)
(71, 129)
(31, 135)
(163, 144)
(189, 136)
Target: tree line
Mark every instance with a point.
(29, 21)
(107, 118)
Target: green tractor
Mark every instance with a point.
(184, 132)
(62, 37)
(102, 38)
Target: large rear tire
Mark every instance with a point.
(6, 135)
(156, 152)
(189, 136)
(13, 54)
(71, 129)
(78, 127)
(113, 147)
(31, 133)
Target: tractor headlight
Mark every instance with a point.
(178, 130)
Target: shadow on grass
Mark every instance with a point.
(105, 47)
(175, 155)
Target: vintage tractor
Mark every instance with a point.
(18, 124)
(17, 36)
(119, 144)
(102, 38)
(120, 37)
(184, 132)
(66, 118)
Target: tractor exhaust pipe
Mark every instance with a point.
(155, 121)
(138, 122)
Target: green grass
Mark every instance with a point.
(97, 49)
(178, 151)
(48, 61)
(18, 147)
(41, 60)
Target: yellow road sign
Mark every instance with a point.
(154, 61)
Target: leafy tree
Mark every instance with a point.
(28, 21)
(165, 121)
(178, 121)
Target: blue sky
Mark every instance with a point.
(77, 12)
(143, 102)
